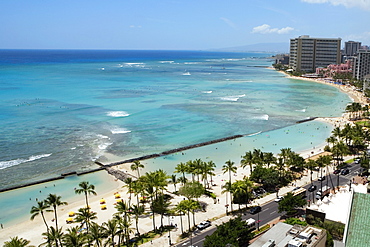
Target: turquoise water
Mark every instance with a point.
(62, 110)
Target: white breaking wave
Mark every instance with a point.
(207, 92)
(9, 163)
(120, 131)
(259, 132)
(263, 117)
(104, 146)
(166, 61)
(117, 114)
(303, 110)
(232, 98)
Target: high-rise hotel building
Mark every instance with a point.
(362, 65)
(307, 54)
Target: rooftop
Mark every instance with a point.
(358, 234)
(283, 233)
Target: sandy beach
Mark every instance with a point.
(32, 230)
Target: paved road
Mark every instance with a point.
(270, 210)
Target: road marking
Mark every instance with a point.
(273, 212)
(265, 209)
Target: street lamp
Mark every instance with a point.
(169, 231)
(258, 219)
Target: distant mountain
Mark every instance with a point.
(261, 47)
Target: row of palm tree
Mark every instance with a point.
(197, 168)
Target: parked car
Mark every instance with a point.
(357, 161)
(337, 171)
(204, 224)
(312, 188)
(278, 199)
(344, 172)
(321, 178)
(255, 210)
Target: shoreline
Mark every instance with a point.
(37, 225)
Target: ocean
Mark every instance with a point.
(62, 110)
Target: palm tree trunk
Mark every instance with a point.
(182, 229)
(189, 219)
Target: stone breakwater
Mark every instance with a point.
(176, 150)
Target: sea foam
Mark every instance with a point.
(117, 114)
(120, 131)
(232, 98)
(9, 163)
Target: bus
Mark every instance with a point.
(300, 192)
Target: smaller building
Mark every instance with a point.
(334, 69)
(282, 59)
(282, 235)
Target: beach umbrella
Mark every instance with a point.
(117, 195)
(102, 201)
(118, 200)
(69, 220)
(71, 214)
(103, 207)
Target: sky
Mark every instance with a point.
(176, 24)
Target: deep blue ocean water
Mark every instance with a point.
(61, 110)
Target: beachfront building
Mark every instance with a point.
(361, 64)
(283, 234)
(307, 54)
(335, 69)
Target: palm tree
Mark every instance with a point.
(137, 211)
(73, 238)
(311, 165)
(231, 168)
(268, 159)
(111, 229)
(85, 188)
(285, 153)
(247, 160)
(227, 188)
(39, 210)
(85, 215)
(17, 242)
(136, 167)
(128, 183)
(210, 168)
(55, 201)
(180, 209)
(96, 234)
(181, 168)
(174, 180)
(53, 236)
(187, 206)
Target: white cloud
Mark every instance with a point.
(133, 26)
(229, 22)
(365, 4)
(264, 29)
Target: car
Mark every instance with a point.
(204, 224)
(312, 188)
(336, 171)
(344, 172)
(321, 178)
(255, 210)
(357, 161)
(279, 198)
